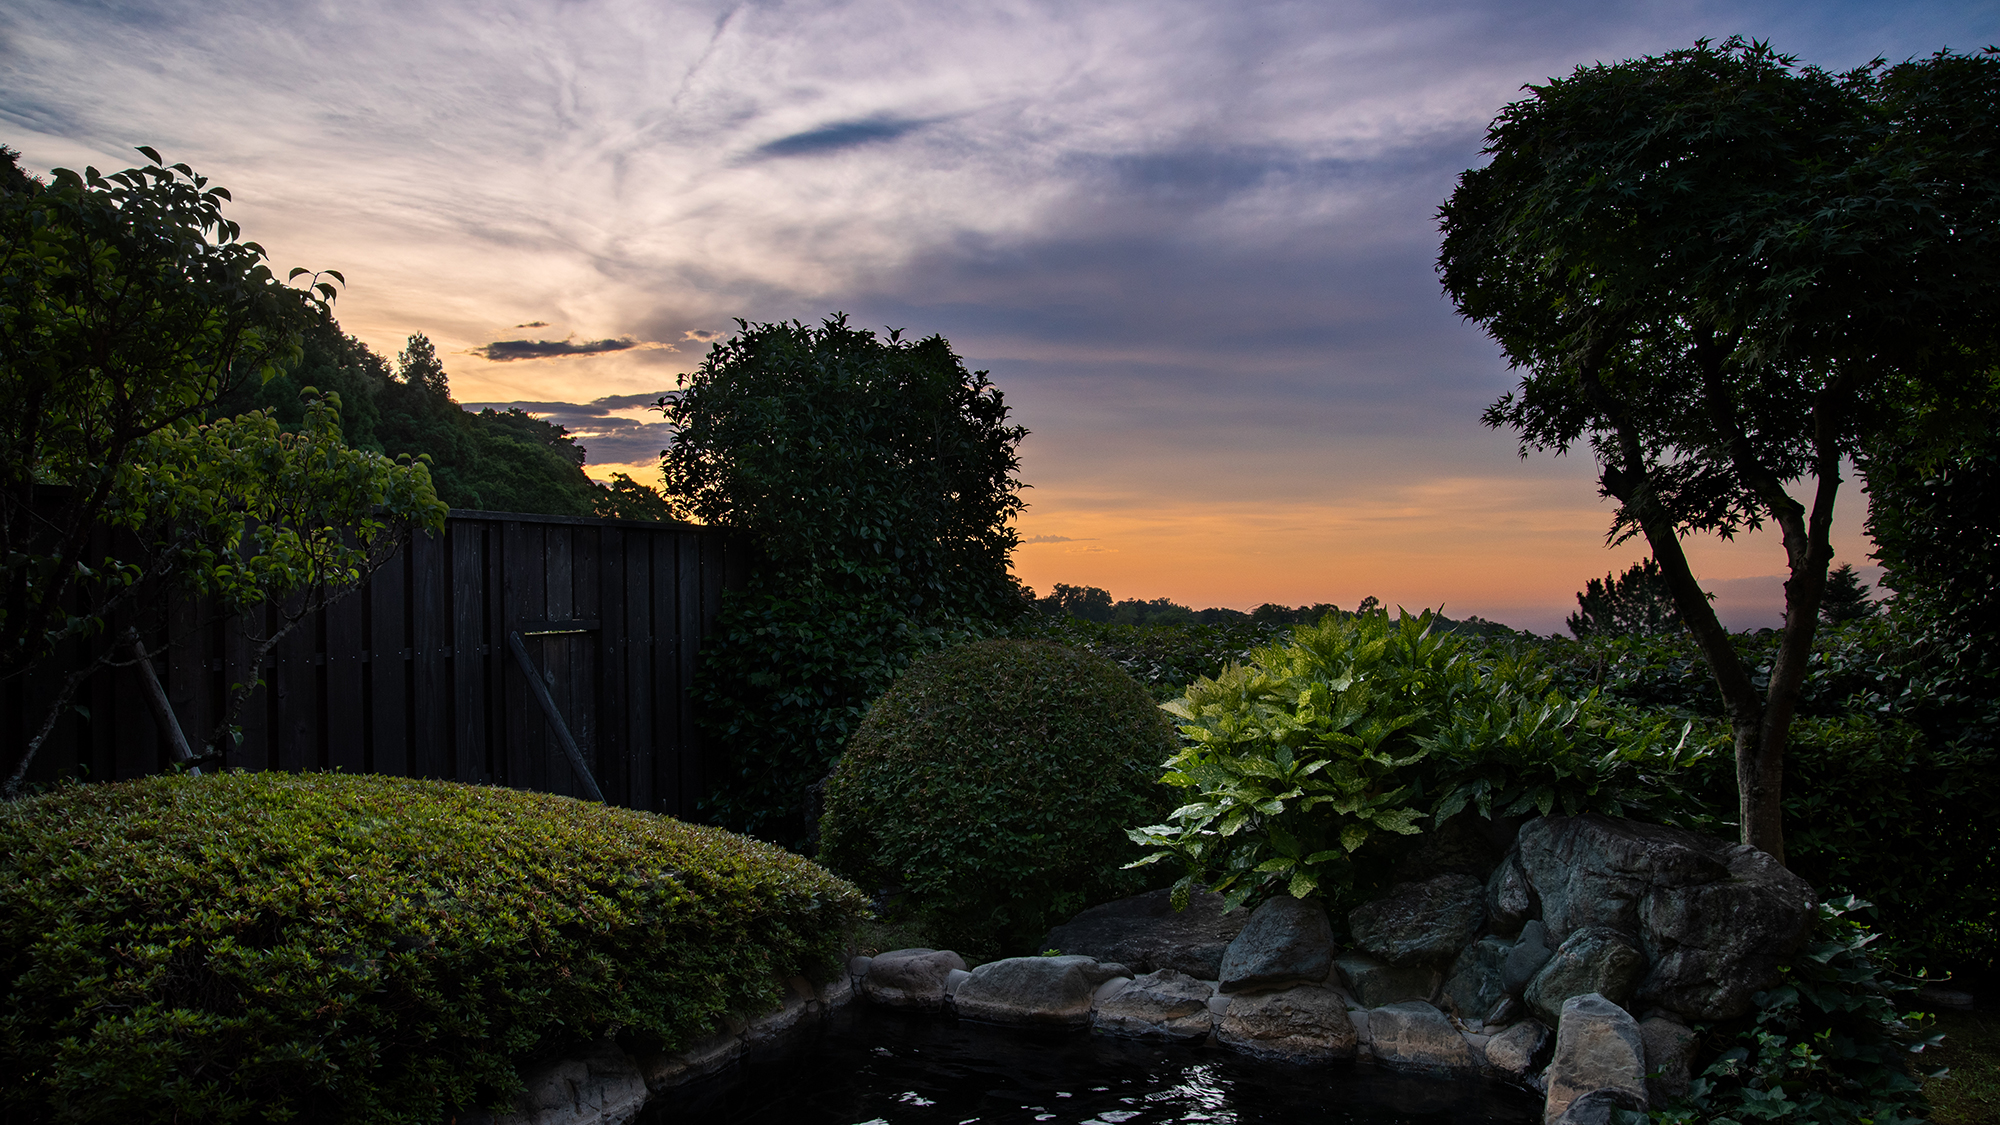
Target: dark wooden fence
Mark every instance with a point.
(413, 674)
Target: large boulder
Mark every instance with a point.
(1421, 923)
(1596, 959)
(1163, 1004)
(1147, 933)
(1715, 945)
(1600, 1107)
(1474, 986)
(1525, 958)
(1305, 1023)
(1375, 983)
(599, 1086)
(1413, 1035)
(1035, 990)
(910, 978)
(1510, 898)
(1286, 941)
(1598, 1047)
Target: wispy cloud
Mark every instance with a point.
(614, 430)
(838, 136)
(1033, 539)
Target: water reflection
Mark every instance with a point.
(874, 1068)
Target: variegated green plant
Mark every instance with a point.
(1362, 726)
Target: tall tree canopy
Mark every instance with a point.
(1726, 274)
(874, 479)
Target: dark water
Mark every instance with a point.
(874, 1068)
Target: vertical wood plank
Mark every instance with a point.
(524, 600)
(294, 678)
(345, 713)
(388, 665)
(470, 647)
(430, 648)
(186, 675)
(694, 765)
(642, 743)
(616, 772)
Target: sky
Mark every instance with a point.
(1193, 241)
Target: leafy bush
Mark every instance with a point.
(1360, 728)
(1827, 1045)
(252, 947)
(873, 479)
(990, 785)
(1165, 658)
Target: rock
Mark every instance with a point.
(1412, 1035)
(663, 1071)
(1474, 986)
(1516, 1052)
(601, 1086)
(1715, 945)
(1038, 990)
(1594, 960)
(1163, 1004)
(1505, 1012)
(1510, 898)
(1305, 1022)
(1286, 941)
(1145, 932)
(1938, 996)
(1669, 1048)
(1375, 984)
(1421, 923)
(1599, 1107)
(1526, 958)
(910, 978)
(1598, 1047)
(1591, 870)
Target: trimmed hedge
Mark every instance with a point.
(320, 947)
(991, 787)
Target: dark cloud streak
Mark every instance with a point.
(502, 351)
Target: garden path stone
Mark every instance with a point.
(1596, 959)
(1145, 932)
(1598, 1047)
(910, 978)
(1421, 923)
(1286, 941)
(1034, 990)
(1375, 984)
(1306, 1022)
(1163, 1004)
(1413, 1035)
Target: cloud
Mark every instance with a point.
(838, 136)
(534, 324)
(602, 426)
(501, 351)
(1053, 539)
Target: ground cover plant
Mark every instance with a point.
(265, 947)
(987, 790)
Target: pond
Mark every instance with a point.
(869, 1067)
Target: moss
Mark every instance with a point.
(320, 947)
(991, 786)
(1970, 1093)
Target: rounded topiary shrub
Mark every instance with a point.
(329, 948)
(992, 787)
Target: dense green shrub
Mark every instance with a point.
(1831, 1044)
(873, 481)
(991, 786)
(252, 947)
(1305, 763)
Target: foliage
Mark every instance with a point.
(317, 947)
(1828, 1044)
(988, 787)
(873, 478)
(1846, 599)
(1968, 1092)
(1165, 658)
(503, 461)
(1726, 273)
(627, 499)
(1361, 728)
(129, 308)
(1637, 601)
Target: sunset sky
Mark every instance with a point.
(1192, 241)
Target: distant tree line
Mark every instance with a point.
(1091, 603)
(493, 460)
